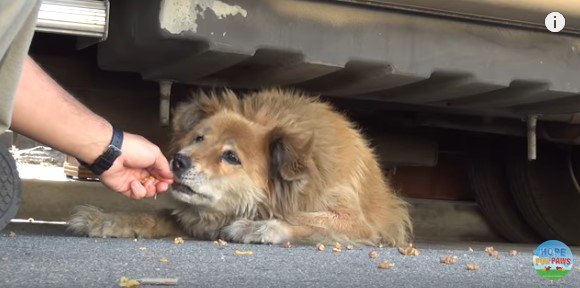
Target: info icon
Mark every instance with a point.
(555, 22)
(553, 260)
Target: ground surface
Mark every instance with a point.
(46, 256)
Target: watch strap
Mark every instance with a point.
(113, 151)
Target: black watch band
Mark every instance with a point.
(106, 160)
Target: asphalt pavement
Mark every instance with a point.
(47, 256)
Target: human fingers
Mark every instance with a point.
(161, 168)
(162, 187)
(137, 190)
(150, 187)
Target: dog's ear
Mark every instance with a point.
(290, 152)
(202, 106)
(290, 161)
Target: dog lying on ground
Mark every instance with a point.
(271, 167)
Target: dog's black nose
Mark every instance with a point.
(181, 162)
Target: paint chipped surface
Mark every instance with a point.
(177, 16)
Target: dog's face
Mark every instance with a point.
(226, 162)
(221, 163)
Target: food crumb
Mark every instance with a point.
(513, 253)
(409, 251)
(12, 234)
(381, 245)
(147, 178)
(135, 240)
(349, 247)
(286, 244)
(373, 254)
(386, 265)
(164, 260)
(448, 260)
(320, 247)
(240, 252)
(178, 240)
(142, 248)
(337, 248)
(128, 283)
(470, 249)
(472, 267)
(492, 252)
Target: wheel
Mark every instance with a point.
(491, 189)
(545, 190)
(9, 187)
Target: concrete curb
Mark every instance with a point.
(52, 198)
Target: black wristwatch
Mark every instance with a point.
(106, 160)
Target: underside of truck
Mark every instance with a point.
(462, 100)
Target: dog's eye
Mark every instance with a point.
(231, 157)
(199, 138)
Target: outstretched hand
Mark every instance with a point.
(141, 171)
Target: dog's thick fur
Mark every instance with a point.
(306, 175)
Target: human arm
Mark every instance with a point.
(44, 111)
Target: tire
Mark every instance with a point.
(491, 189)
(545, 193)
(9, 188)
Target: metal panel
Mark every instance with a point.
(350, 50)
(74, 17)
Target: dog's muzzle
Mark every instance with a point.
(180, 164)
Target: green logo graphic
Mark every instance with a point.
(553, 260)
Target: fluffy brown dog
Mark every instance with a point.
(274, 166)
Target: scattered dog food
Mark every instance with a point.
(381, 245)
(386, 265)
(142, 248)
(513, 253)
(286, 244)
(128, 283)
(373, 254)
(409, 251)
(492, 252)
(164, 260)
(240, 252)
(178, 240)
(337, 248)
(349, 247)
(320, 247)
(448, 260)
(12, 234)
(470, 249)
(472, 267)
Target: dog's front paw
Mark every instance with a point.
(93, 222)
(265, 231)
(87, 220)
